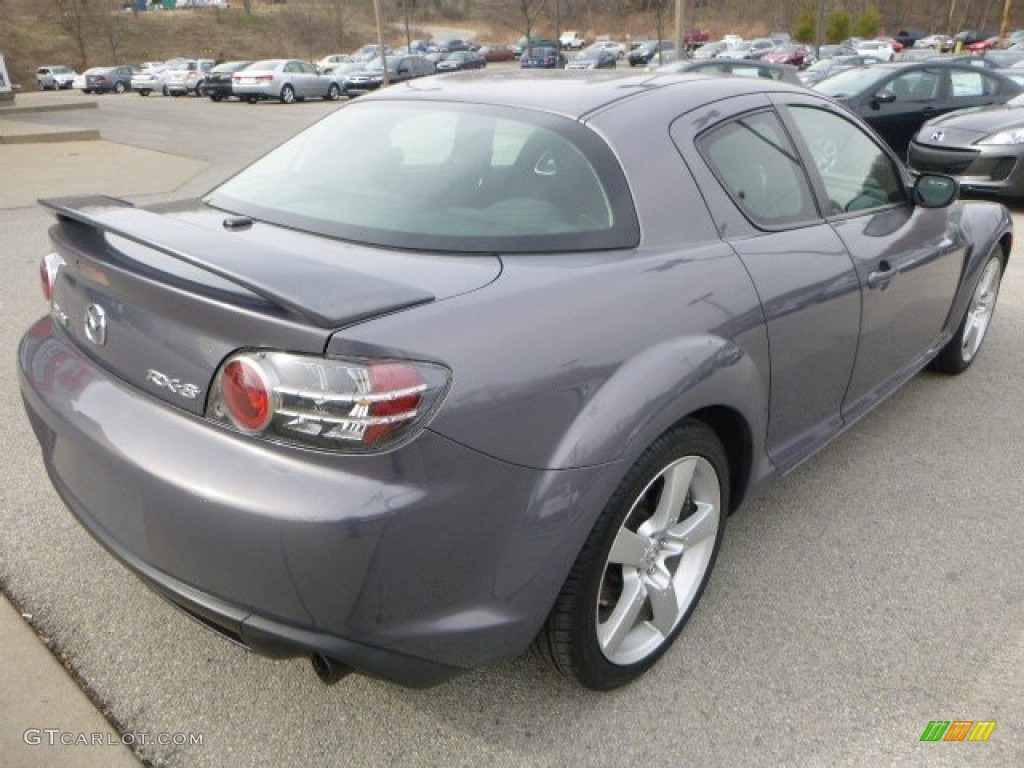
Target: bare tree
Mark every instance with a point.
(340, 13)
(530, 12)
(75, 18)
(110, 25)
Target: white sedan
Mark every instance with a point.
(878, 49)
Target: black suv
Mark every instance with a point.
(907, 37)
(643, 53)
(218, 80)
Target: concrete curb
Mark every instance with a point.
(45, 718)
(6, 110)
(13, 131)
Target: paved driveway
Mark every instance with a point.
(877, 588)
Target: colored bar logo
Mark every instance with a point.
(958, 730)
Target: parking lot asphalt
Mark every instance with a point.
(877, 588)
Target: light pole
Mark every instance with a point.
(408, 37)
(380, 45)
(680, 23)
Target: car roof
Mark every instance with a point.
(565, 93)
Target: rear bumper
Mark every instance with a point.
(218, 89)
(410, 566)
(268, 91)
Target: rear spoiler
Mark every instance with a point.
(281, 277)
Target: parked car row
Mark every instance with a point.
(286, 80)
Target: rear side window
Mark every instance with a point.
(757, 165)
(968, 84)
(438, 176)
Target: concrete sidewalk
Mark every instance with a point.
(46, 719)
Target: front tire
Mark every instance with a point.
(333, 92)
(644, 565)
(960, 351)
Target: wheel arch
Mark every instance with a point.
(733, 431)
(986, 226)
(711, 379)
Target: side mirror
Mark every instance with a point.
(934, 191)
(884, 97)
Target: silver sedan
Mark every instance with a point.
(285, 79)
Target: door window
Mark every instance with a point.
(920, 85)
(857, 174)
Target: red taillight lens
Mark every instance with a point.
(44, 278)
(353, 406)
(404, 386)
(246, 394)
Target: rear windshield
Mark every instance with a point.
(445, 177)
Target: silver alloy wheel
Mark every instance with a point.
(979, 313)
(658, 560)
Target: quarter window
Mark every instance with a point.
(757, 165)
(857, 174)
(971, 84)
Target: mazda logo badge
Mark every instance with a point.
(96, 325)
(938, 136)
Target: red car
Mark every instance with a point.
(787, 54)
(497, 52)
(984, 45)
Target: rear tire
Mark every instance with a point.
(333, 92)
(287, 95)
(961, 350)
(644, 565)
(119, 87)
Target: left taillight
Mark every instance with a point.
(49, 266)
(336, 404)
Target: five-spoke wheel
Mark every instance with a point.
(645, 563)
(961, 350)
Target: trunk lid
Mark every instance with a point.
(161, 296)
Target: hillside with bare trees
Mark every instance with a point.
(86, 33)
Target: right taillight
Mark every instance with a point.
(337, 404)
(49, 265)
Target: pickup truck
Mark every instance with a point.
(572, 40)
